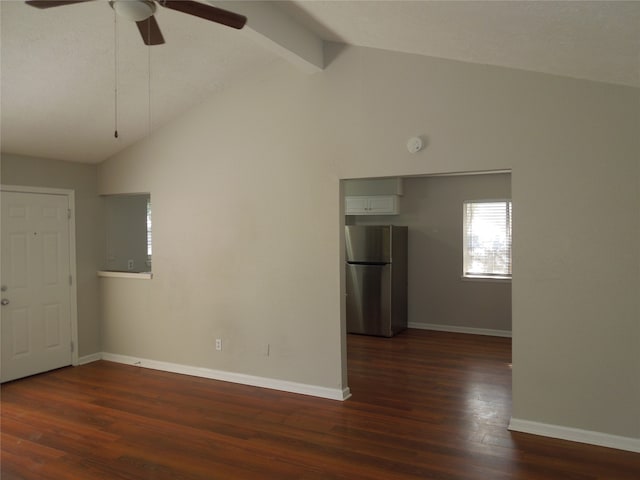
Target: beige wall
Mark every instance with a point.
(246, 239)
(431, 208)
(256, 262)
(574, 155)
(82, 178)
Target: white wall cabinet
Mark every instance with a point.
(372, 205)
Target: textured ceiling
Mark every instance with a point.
(58, 76)
(58, 67)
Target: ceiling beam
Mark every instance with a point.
(278, 32)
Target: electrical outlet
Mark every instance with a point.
(218, 344)
(130, 264)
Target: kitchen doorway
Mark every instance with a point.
(440, 296)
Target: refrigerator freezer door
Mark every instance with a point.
(367, 244)
(369, 299)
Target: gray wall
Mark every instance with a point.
(373, 186)
(82, 178)
(432, 209)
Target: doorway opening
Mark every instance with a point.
(440, 296)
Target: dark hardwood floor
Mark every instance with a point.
(425, 405)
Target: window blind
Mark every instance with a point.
(487, 238)
(149, 249)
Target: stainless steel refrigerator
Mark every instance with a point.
(376, 277)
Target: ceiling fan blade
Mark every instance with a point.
(150, 31)
(53, 3)
(208, 12)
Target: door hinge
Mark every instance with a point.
(70, 280)
(68, 213)
(71, 347)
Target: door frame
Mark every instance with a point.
(73, 293)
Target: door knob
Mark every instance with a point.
(4, 301)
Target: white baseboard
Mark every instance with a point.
(575, 435)
(516, 425)
(254, 381)
(94, 357)
(457, 329)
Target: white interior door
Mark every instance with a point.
(36, 293)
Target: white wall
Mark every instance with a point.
(247, 221)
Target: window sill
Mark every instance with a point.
(481, 278)
(115, 274)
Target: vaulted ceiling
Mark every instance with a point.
(60, 66)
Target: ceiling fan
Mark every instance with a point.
(141, 12)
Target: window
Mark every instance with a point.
(487, 239)
(128, 232)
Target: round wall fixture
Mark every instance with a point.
(414, 144)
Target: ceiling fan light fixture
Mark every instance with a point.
(135, 10)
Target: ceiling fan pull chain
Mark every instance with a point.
(149, 78)
(115, 68)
